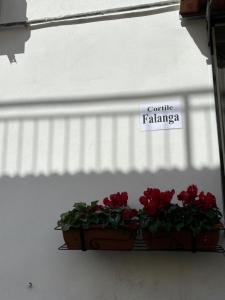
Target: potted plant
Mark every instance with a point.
(197, 7)
(201, 216)
(192, 7)
(111, 226)
(162, 221)
(191, 224)
(74, 221)
(117, 227)
(195, 225)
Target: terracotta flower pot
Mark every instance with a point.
(121, 239)
(208, 240)
(190, 7)
(109, 239)
(162, 240)
(182, 240)
(72, 239)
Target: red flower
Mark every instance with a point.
(155, 193)
(192, 190)
(151, 210)
(98, 207)
(198, 203)
(147, 193)
(182, 196)
(129, 213)
(154, 198)
(210, 201)
(116, 200)
(166, 198)
(188, 197)
(113, 197)
(202, 197)
(126, 213)
(133, 213)
(124, 197)
(210, 197)
(191, 197)
(143, 200)
(155, 201)
(107, 202)
(185, 198)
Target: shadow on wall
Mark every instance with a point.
(97, 146)
(103, 134)
(198, 32)
(13, 40)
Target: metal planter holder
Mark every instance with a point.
(140, 245)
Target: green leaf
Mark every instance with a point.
(80, 205)
(114, 220)
(154, 226)
(94, 203)
(66, 227)
(179, 226)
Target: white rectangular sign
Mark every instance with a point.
(161, 115)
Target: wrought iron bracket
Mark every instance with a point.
(140, 245)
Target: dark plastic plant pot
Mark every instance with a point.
(109, 239)
(72, 239)
(162, 240)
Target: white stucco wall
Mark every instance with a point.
(69, 131)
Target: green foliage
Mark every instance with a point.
(199, 219)
(82, 215)
(176, 218)
(195, 215)
(87, 216)
(168, 218)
